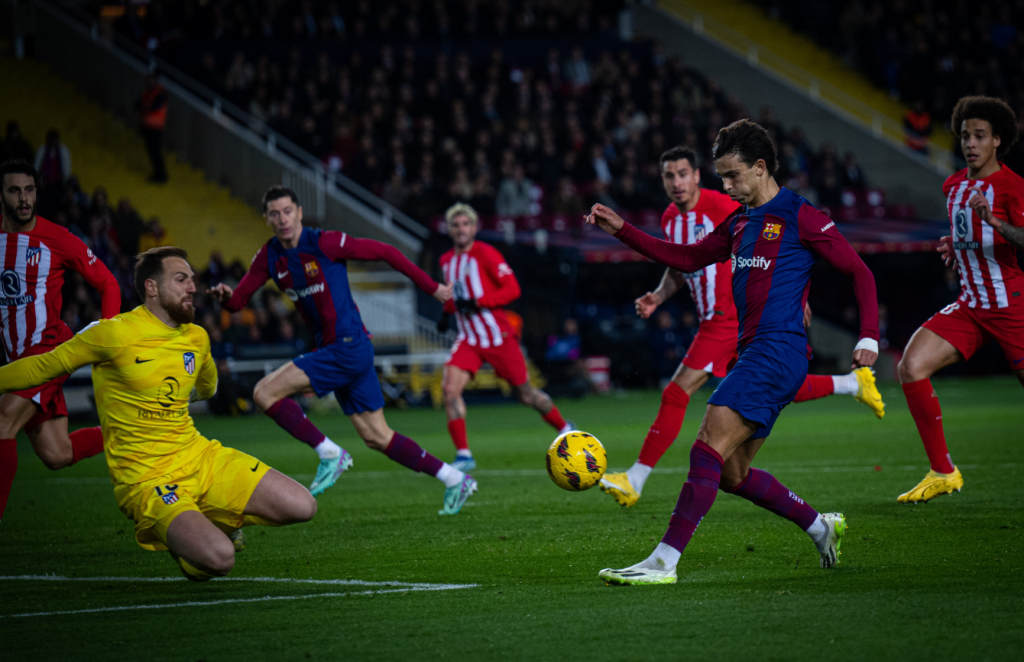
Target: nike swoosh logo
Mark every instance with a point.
(281, 274)
(254, 468)
(140, 360)
(1018, 360)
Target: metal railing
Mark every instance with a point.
(820, 91)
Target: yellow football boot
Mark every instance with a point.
(619, 487)
(867, 392)
(237, 539)
(933, 485)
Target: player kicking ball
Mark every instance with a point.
(184, 492)
(774, 240)
(482, 284)
(34, 255)
(310, 267)
(694, 213)
(986, 213)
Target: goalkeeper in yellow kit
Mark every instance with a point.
(184, 492)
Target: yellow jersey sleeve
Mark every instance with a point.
(96, 343)
(206, 379)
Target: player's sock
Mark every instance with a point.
(457, 430)
(818, 531)
(554, 418)
(817, 386)
(408, 453)
(327, 449)
(763, 489)
(697, 496)
(86, 443)
(449, 475)
(638, 474)
(8, 467)
(666, 426)
(924, 407)
(288, 414)
(845, 384)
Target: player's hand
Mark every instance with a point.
(945, 250)
(979, 203)
(647, 304)
(466, 306)
(221, 292)
(864, 358)
(807, 315)
(604, 218)
(443, 292)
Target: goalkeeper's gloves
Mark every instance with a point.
(467, 306)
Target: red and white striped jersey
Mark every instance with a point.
(30, 286)
(711, 287)
(989, 274)
(481, 274)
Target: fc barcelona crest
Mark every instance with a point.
(190, 362)
(33, 256)
(771, 231)
(312, 269)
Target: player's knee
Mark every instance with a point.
(262, 397)
(451, 392)
(55, 457)
(222, 562)
(911, 368)
(304, 508)
(732, 477)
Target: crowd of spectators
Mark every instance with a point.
(516, 107)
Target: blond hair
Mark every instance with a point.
(461, 209)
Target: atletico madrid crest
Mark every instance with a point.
(771, 231)
(312, 269)
(33, 256)
(190, 362)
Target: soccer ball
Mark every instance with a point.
(576, 461)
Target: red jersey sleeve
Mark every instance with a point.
(819, 233)
(507, 287)
(80, 258)
(341, 246)
(714, 247)
(253, 280)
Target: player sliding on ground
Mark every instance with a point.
(694, 213)
(986, 213)
(34, 254)
(183, 491)
(774, 240)
(482, 284)
(310, 267)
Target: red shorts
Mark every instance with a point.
(969, 329)
(714, 347)
(506, 359)
(49, 399)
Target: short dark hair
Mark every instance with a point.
(749, 141)
(20, 167)
(150, 265)
(678, 153)
(994, 111)
(278, 191)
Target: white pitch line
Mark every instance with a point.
(269, 580)
(268, 598)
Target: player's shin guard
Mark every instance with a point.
(288, 414)
(697, 496)
(457, 429)
(814, 387)
(554, 418)
(924, 407)
(86, 443)
(408, 453)
(666, 425)
(763, 489)
(8, 467)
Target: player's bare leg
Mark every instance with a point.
(926, 354)
(278, 500)
(540, 401)
(378, 435)
(453, 383)
(201, 549)
(273, 396)
(626, 487)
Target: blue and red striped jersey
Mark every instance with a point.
(773, 248)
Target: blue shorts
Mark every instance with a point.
(347, 369)
(765, 379)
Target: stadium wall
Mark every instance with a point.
(905, 179)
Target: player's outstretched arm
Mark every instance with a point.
(714, 247)
(64, 359)
(340, 246)
(254, 279)
(671, 282)
(85, 262)
(1011, 233)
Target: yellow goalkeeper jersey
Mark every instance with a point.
(143, 374)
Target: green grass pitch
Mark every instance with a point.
(943, 579)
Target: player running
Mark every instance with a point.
(181, 489)
(309, 266)
(986, 214)
(693, 213)
(482, 284)
(774, 241)
(35, 253)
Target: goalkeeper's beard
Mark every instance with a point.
(182, 312)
